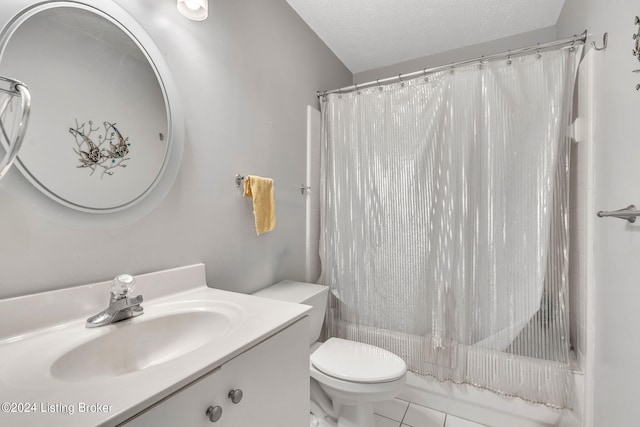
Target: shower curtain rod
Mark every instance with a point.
(582, 38)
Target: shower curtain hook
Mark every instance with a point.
(538, 52)
(379, 85)
(573, 43)
(509, 57)
(426, 77)
(356, 86)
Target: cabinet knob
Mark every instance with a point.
(214, 413)
(235, 395)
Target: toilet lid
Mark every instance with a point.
(357, 362)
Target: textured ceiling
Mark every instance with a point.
(368, 34)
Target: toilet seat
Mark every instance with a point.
(355, 393)
(355, 362)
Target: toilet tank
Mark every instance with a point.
(301, 293)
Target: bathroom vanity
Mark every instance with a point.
(197, 356)
(259, 381)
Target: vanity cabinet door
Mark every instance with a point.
(273, 377)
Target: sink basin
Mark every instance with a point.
(140, 343)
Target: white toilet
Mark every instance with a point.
(351, 375)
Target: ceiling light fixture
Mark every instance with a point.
(197, 10)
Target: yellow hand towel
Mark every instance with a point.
(264, 202)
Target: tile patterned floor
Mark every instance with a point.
(398, 413)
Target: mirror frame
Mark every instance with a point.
(154, 194)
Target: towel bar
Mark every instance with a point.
(303, 188)
(629, 213)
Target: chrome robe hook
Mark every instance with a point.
(605, 40)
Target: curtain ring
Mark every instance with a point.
(509, 58)
(538, 52)
(356, 86)
(379, 85)
(426, 77)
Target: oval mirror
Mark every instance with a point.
(101, 132)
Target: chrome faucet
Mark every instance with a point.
(121, 306)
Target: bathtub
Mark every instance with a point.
(489, 408)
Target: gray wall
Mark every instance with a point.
(464, 53)
(246, 75)
(616, 247)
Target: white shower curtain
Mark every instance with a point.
(444, 222)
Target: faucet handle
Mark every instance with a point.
(122, 285)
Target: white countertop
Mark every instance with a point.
(36, 329)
